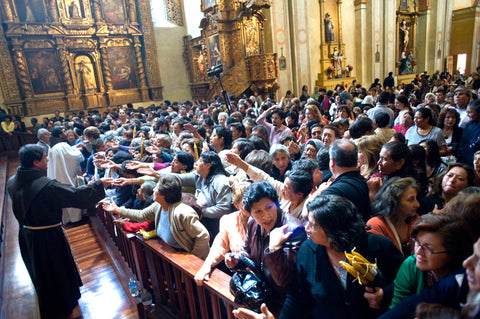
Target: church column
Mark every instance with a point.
(378, 43)
(363, 51)
(22, 71)
(389, 36)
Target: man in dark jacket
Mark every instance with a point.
(37, 203)
(347, 180)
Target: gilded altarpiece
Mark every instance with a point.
(76, 54)
(332, 61)
(232, 35)
(406, 39)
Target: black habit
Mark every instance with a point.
(37, 201)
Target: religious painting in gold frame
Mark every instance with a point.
(251, 36)
(114, 11)
(45, 73)
(214, 50)
(124, 68)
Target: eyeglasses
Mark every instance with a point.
(427, 250)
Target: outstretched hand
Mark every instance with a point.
(111, 207)
(244, 313)
(278, 236)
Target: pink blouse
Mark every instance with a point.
(231, 237)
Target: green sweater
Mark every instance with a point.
(409, 281)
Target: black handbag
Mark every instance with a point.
(247, 286)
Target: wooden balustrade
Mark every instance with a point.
(168, 274)
(12, 143)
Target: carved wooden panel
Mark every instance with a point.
(232, 34)
(77, 54)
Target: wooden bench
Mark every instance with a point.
(168, 274)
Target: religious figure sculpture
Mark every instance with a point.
(201, 63)
(28, 11)
(73, 10)
(337, 59)
(404, 36)
(85, 77)
(329, 35)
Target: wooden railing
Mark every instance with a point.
(168, 274)
(12, 143)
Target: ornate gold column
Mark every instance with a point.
(62, 52)
(22, 72)
(7, 12)
(107, 72)
(141, 69)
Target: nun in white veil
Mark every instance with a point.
(64, 165)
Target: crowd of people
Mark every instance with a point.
(392, 172)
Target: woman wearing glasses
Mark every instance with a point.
(441, 243)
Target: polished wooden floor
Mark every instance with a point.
(102, 294)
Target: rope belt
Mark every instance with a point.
(41, 227)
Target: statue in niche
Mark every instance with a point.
(404, 36)
(28, 11)
(337, 59)
(201, 63)
(329, 35)
(85, 77)
(74, 10)
(251, 38)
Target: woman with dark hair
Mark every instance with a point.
(424, 129)
(434, 164)
(401, 105)
(176, 223)
(441, 243)
(323, 288)
(268, 241)
(221, 138)
(242, 147)
(213, 192)
(8, 126)
(259, 143)
(457, 177)
(448, 121)
(395, 209)
(238, 130)
(407, 123)
(193, 146)
(395, 160)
